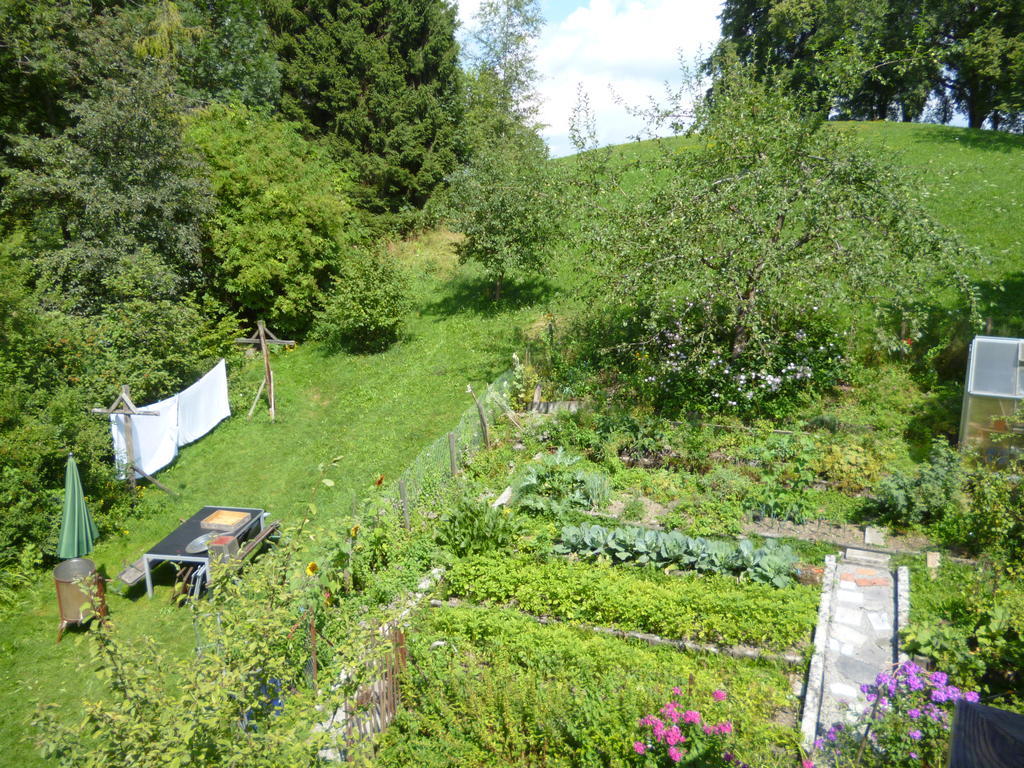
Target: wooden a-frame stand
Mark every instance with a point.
(123, 406)
(263, 338)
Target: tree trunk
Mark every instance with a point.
(497, 286)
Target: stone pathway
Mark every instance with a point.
(857, 637)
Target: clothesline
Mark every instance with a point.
(179, 420)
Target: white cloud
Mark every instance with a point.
(631, 47)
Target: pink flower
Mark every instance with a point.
(677, 691)
(709, 730)
(691, 716)
(675, 754)
(719, 695)
(806, 764)
(725, 727)
(640, 747)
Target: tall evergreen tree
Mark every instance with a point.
(381, 78)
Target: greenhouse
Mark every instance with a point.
(992, 420)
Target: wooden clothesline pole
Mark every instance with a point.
(264, 337)
(123, 406)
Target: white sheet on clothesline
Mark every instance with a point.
(204, 405)
(154, 438)
(180, 419)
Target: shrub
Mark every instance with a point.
(993, 521)
(704, 608)
(285, 225)
(365, 307)
(927, 495)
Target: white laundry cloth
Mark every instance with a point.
(204, 405)
(154, 438)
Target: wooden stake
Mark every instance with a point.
(129, 439)
(123, 406)
(453, 455)
(263, 338)
(403, 497)
(255, 400)
(483, 417)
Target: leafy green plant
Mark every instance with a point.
(769, 564)
(775, 501)
(970, 621)
(936, 489)
(554, 487)
(491, 687)
(475, 527)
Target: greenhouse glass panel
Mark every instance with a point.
(996, 364)
(993, 410)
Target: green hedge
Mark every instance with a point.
(703, 608)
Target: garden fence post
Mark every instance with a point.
(483, 417)
(403, 497)
(453, 457)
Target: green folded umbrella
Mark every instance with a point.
(77, 529)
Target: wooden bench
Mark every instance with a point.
(132, 574)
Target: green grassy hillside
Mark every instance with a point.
(378, 411)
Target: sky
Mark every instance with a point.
(615, 49)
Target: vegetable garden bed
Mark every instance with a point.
(490, 687)
(708, 608)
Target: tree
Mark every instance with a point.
(285, 223)
(503, 198)
(502, 201)
(771, 228)
(897, 53)
(221, 49)
(113, 208)
(381, 79)
(984, 44)
(505, 35)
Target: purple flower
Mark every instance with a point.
(939, 678)
(916, 735)
(819, 743)
(972, 696)
(913, 755)
(915, 683)
(913, 714)
(939, 695)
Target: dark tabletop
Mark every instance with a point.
(174, 544)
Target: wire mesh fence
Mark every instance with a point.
(441, 458)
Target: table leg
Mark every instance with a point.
(149, 576)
